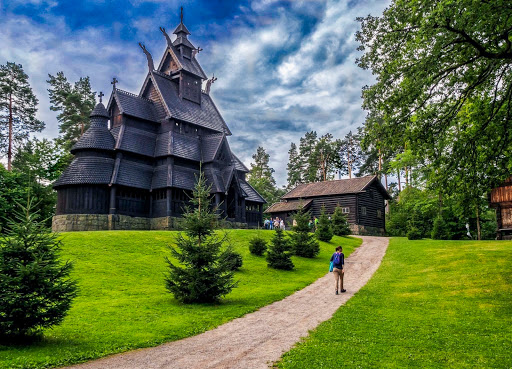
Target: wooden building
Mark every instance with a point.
(500, 199)
(361, 199)
(143, 152)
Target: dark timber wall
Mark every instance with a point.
(330, 203)
(373, 201)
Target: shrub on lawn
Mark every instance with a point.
(323, 229)
(339, 223)
(278, 254)
(257, 245)
(302, 242)
(414, 233)
(232, 259)
(439, 231)
(35, 289)
(203, 275)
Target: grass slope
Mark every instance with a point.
(431, 304)
(123, 303)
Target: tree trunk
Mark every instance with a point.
(386, 180)
(440, 203)
(406, 176)
(380, 162)
(399, 184)
(349, 164)
(9, 149)
(479, 231)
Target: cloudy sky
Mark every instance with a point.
(283, 67)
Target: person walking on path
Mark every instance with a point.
(338, 260)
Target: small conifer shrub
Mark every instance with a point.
(323, 229)
(232, 259)
(339, 223)
(414, 233)
(35, 288)
(204, 275)
(302, 241)
(279, 254)
(257, 245)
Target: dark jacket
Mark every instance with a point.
(342, 261)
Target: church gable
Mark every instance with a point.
(150, 92)
(169, 63)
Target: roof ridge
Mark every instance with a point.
(134, 95)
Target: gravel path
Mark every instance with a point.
(260, 338)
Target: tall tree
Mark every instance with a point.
(350, 152)
(326, 157)
(18, 108)
(309, 166)
(432, 61)
(74, 102)
(261, 177)
(44, 160)
(294, 167)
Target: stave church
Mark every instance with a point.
(137, 164)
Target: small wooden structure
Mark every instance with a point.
(501, 199)
(361, 199)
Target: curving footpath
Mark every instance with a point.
(258, 339)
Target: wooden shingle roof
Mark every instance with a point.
(327, 188)
(283, 206)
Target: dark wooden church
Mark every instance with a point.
(136, 166)
(361, 199)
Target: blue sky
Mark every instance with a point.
(283, 67)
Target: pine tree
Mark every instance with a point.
(293, 167)
(339, 222)
(261, 177)
(323, 229)
(74, 102)
(351, 152)
(302, 241)
(35, 288)
(257, 245)
(18, 108)
(278, 254)
(326, 156)
(205, 274)
(309, 164)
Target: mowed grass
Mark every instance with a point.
(123, 303)
(431, 304)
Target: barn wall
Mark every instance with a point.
(373, 200)
(330, 203)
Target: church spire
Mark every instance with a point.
(181, 33)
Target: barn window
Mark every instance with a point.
(363, 210)
(345, 210)
(379, 214)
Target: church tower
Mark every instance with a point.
(141, 168)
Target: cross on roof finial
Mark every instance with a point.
(181, 14)
(101, 94)
(114, 81)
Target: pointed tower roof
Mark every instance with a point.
(98, 136)
(181, 33)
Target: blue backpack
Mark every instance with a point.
(337, 259)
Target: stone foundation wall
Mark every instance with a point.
(367, 231)
(105, 222)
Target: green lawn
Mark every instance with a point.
(431, 304)
(123, 303)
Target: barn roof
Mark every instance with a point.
(288, 206)
(337, 187)
(87, 170)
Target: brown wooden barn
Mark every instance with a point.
(501, 199)
(361, 199)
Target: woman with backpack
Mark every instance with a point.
(338, 260)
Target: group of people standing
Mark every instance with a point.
(274, 223)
